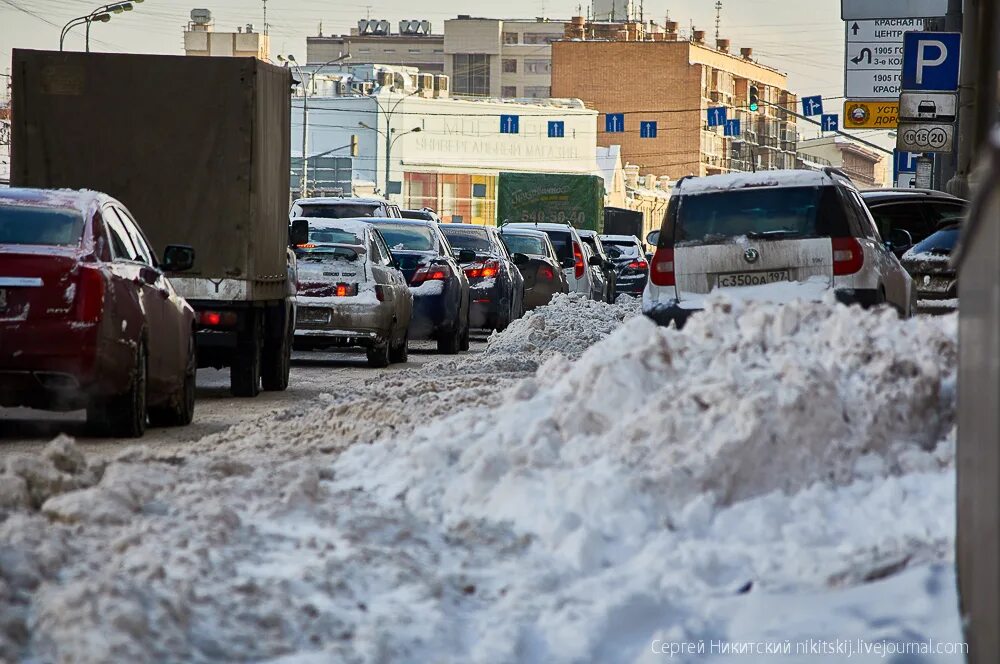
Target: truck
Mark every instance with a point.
(198, 150)
(621, 221)
(561, 198)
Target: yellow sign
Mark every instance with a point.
(871, 114)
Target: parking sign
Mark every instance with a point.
(931, 60)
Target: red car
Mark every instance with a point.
(87, 318)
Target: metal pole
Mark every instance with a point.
(304, 184)
(388, 153)
(88, 37)
(967, 109)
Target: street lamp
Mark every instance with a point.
(102, 14)
(342, 57)
(390, 140)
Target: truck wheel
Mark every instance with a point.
(180, 411)
(124, 415)
(244, 375)
(277, 363)
(400, 353)
(378, 355)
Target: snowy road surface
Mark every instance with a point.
(588, 488)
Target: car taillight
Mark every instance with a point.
(546, 273)
(638, 265)
(483, 270)
(662, 273)
(217, 318)
(346, 290)
(432, 273)
(90, 295)
(380, 292)
(848, 256)
(578, 257)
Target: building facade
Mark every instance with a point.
(488, 57)
(654, 77)
(201, 38)
(413, 45)
(867, 168)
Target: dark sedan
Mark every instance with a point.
(496, 282)
(437, 281)
(627, 254)
(87, 317)
(934, 277)
(918, 212)
(543, 271)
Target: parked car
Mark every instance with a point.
(919, 212)
(628, 256)
(771, 235)
(496, 282)
(87, 318)
(934, 277)
(426, 214)
(543, 273)
(351, 292)
(338, 207)
(569, 248)
(440, 289)
(605, 271)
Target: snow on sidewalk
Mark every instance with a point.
(769, 473)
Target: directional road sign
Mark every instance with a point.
(733, 128)
(716, 116)
(647, 129)
(931, 60)
(831, 122)
(874, 57)
(510, 124)
(557, 129)
(614, 123)
(812, 106)
(859, 9)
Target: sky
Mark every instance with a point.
(804, 38)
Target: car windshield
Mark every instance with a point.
(468, 239)
(774, 213)
(942, 242)
(338, 210)
(408, 237)
(21, 224)
(626, 249)
(525, 244)
(334, 236)
(563, 243)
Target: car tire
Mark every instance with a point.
(400, 353)
(244, 375)
(180, 411)
(378, 355)
(124, 415)
(448, 343)
(465, 341)
(276, 364)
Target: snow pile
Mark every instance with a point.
(568, 325)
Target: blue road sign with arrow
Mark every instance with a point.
(614, 123)
(831, 122)
(510, 124)
(716, 116)
(732, 128)
(647, 129)
(931, 60)
(812, 106)
(557, 129)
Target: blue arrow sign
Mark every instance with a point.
(647, 129)
(716, 116)
(557, 129)
(614, 123)
(831, 122)
(733, 128)
(931, 60)
(510, 124)
(812, 106)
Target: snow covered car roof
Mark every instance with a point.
(735, 181)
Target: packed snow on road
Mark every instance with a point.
(590, 488)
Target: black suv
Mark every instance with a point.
(919, 212)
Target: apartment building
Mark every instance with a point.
(374, 42)
(651, 75)
(486, 57)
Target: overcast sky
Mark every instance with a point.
(801, 37)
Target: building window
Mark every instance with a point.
(509, 66)
(510, 38)
(538, 66)
(414, 50)
(471, 74)
(388, 50)
(364, 50)
(540, 38)
(508, 91)
(479, 190)
(537, 91)
(439, 50)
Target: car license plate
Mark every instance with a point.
(314, 315)
(752, 278)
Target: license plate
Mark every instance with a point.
(314, 315)
(752, 278)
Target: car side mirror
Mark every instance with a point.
(298, 232)
(466, 256)
(899, 240)
(595, 261)
(653, 238)
(177, 258)
(568, 263)
(519, 259)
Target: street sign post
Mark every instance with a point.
(831, 122)
(928, 100)
(716, 116)
(925, 137)
(871, 114)
(812, 106)
(614, 123)
(928, 106)
(865, 9)
(557, 129)
(931, 60)
(904, 168)
(874, 57)
(510, 124)
(732, 128)
(647, 129)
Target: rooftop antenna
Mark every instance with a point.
(265, 18)
(321, 28)
(718, 19)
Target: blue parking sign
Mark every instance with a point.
(931, 60)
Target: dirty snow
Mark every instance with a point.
(769, 473)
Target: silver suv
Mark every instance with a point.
(773, 235)
(576, 262)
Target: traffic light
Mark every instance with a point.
(754, 98)
(354, 145)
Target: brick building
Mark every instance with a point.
(654, 76)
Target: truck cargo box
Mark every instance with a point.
(562, 198)
(197, 148)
